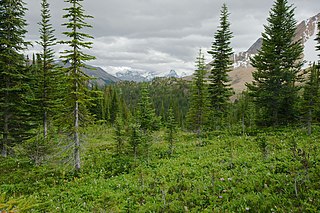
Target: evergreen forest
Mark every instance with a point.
(69, 144)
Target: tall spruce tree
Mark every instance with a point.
(77, 80)
(219, 87)
(171, 130)
(14, 113)
(146, 113)
(199, 105)
(146, 118)
(49, 77)
(277, 66)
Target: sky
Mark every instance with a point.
(160, 35)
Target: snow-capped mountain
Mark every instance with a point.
(140, 76)
(173, 74)
(137, 76)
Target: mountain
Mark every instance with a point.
(242, 69)
(132, 75)
(173, 74)
(101, 77)
(138, 76)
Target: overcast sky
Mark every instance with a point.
(160, 35)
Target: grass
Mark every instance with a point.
(270, 172)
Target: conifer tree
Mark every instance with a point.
(146, 118)
(199, 104)
(311, 95)
(78, 90)
(135, 138)
(171, 129)
(219, 87)
(146, 113)
(14, 115)
(277, 66)
(49, 76)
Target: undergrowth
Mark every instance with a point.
(267, 172)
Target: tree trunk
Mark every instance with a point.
(45, 125)
(45, 119)
(309, 121)
(243, 124)
(76, 137)
(76, 110)
(4, 151)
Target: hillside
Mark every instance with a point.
(100, 75)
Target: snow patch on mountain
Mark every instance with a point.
(310, 54)
(145, 76)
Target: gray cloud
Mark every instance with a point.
(159, 35)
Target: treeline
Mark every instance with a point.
(123, 99)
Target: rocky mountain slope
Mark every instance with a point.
(100, 76)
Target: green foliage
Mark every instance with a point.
(47, 79)
(310, 102)
(110, 105)
(244, 112)
(219, 87)
(163, 92)
(195, 178)
(135, 138)
(146, 115)
(15, 119)
(263, 145)
(119, 134)
(171, 130)
(277, 66)
(77, 81)
(197, 116)
(38, 148)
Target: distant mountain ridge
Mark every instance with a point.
(139, 76)
(101, 77)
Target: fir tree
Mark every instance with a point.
(277, 66)
(49, 76)
(15, 120)
(135, 138)
(146, 113)
(311, 95)
(146, 118)
(219, 87)
(78, 97)
(171, 129)
(199, 106)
